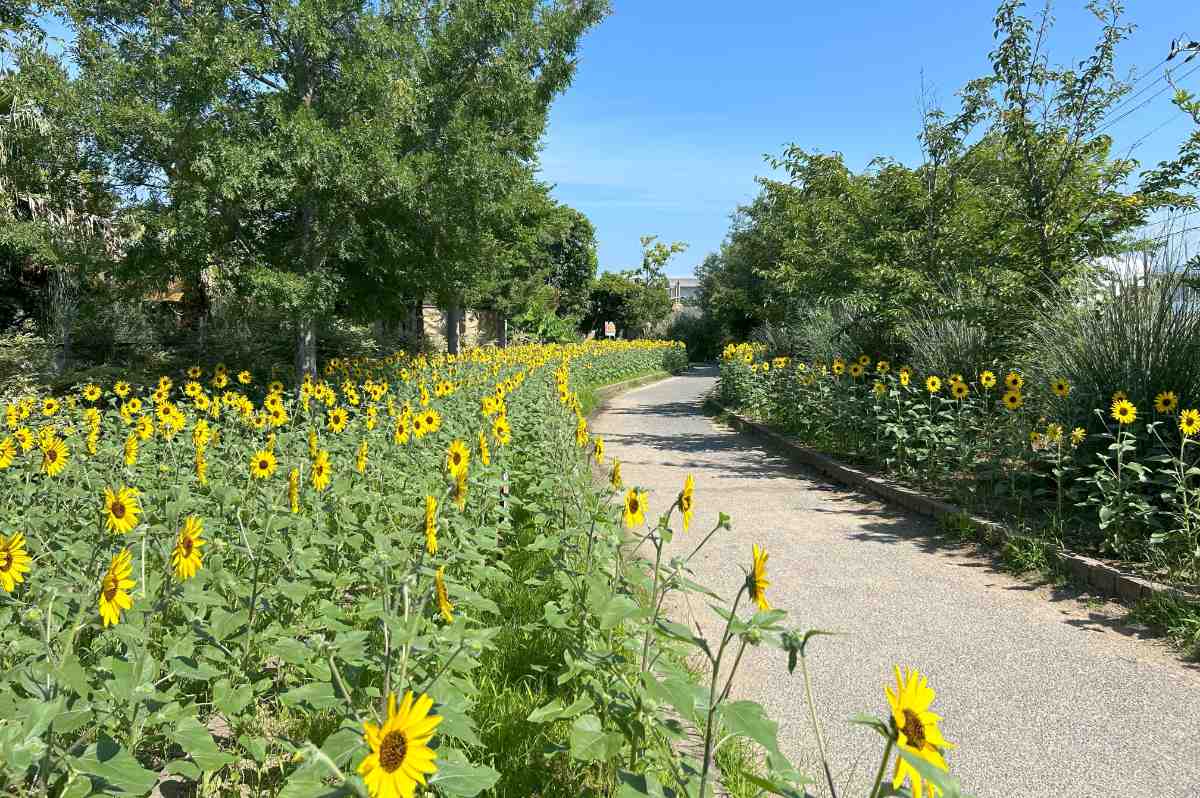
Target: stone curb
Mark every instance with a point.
(1099, 575)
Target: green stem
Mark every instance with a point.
(887, 752)
(812, 714)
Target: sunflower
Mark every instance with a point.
(485, 455)
(1189, 422)
(882, 367)
(121, 389)
(114, 587)
(54, 455)
(14, 561)
(1054, 432)
(1012, 399)
(880, 389)
(1166, 402)
(321, 471)
(1061, 388)
(458, 458)
(431, 541)
(916, 729)
(1120, 396)
(460, 490)
(400, 433)
(501, 430)
(186, 558)
(598, 449)
(338, 418)
(49, 406)
(8, 452)
(756, 579)
(145, 428)
(91, 392)
(615, 477)
(864, 360)
(1077, 435)
(244, 377)
(958, 390)
(1124, 412)
(262, 464)
(856, 370)
(933, 384)
(294, 489)
(195, 372)
(433, 421)
(1014, 381)
(904, 378)
(987, 379)
(400, 757)
(443, 598)
(220, 381)
(685, 501)
(635, 508)
(121, 508)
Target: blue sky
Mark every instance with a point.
(675, 103)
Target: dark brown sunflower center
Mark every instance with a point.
(685, 503)
(52, 455)
(110, 589)
(6, 561)
(186, 544)
(392, 751)
(263, 465)
(914, 730)
(633, 506)
(117, 509)
(457, 458)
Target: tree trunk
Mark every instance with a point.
(502, 329)
(306, 347)
(452, 314)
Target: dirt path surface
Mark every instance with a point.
(1044, 695)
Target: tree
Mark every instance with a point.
(57, 214)
(320, 150)
(635, 300)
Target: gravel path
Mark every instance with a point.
(1044, 695)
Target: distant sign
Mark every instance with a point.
(610, 329)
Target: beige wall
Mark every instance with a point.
(476, 327)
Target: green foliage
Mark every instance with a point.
(1126, 489)
(636, 301)
(1178, 616)
(353, 164)
(1017, 194)
(1135, 329)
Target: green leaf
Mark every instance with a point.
(195, 740)
(616, 610)
(589, 741)
(461, 778)
(318, 695)
(638, 785)
(231, 700)
(747, 719)
(109, 762)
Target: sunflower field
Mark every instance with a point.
(220, 581)
(1102, 474)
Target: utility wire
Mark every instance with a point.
(1145, 102)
